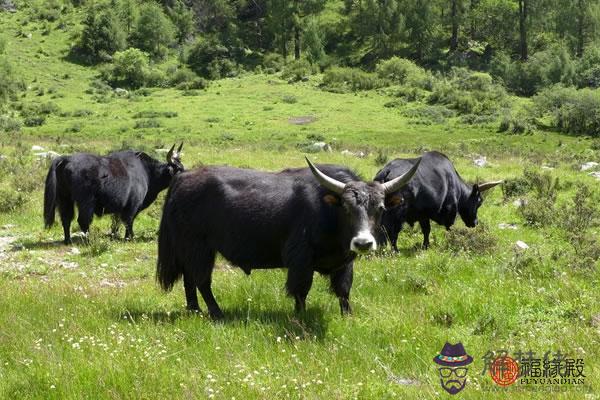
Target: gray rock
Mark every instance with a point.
(521, 245)
(35, 147)
(319, 146)
(595, 175)
(589, 165)
(480, 162)
(507, 226)
(121, 92)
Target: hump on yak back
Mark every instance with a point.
(430, 161)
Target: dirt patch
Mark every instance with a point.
(302, 120)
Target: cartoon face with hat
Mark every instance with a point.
(453, 360)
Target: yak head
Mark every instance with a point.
(362, 204)
(174, 165)
(468, 209)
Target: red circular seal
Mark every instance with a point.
(504, 371)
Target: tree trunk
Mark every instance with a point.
(297, 42)
(283, 40)
(580, 27)
(472, 28)
(454, 17)
(523, 29)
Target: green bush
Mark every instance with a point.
(10, 84)
(102, 34)
(571, 110)
(153, 31)
(210, 59)
(543, 69)
(11, 199)
(478, 240)
(588, 68)
(272, 63)
(298, 70)
(9, 124)
(130, 69)
(401, 71)
(521, 123)
(342, 79)
(469, 92)
(428, 115)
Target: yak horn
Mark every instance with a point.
(397, 183)
(330, 183)
(179, 148)
(488, 185)
(170, 155)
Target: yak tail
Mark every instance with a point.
(168, 270)
(50, 193)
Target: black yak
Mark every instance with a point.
(122, 183)
(435, 193)
(305, 220)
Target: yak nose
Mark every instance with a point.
(363, 243)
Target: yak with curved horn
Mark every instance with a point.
(122, 183)
(305, 219)
(437, 193)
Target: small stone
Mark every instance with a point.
(521, 245)
(520, 202)
(589, 165)
(69, 265)
(595, 175)
(480, 162)
(35, 147)
(74, 251)
(507, 226)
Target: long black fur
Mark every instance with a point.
(122, 183)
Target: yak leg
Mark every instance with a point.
(206, 291)
(201, 278)
(191, 298)
(426, 229)
(66, 210)
(341, 283)
(393, 237)
(299, 281)
(85, 216)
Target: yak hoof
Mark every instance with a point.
(216, 315)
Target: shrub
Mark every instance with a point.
(313, 41)
(469, 92)
(540, 209)
(342, 79)
(129, 69)
(543, 69)
(478, 240)
(517, 124)
(272, 63)
(196, 83)
(298, 70)
(10, 84)
(429, 114)
(102, 34)
(401, 71)
(210, 59)
(8, 124)
(147, 123)
(572, 111)
(588, 69)
(11, 199)
(181, 75)
(153, 31)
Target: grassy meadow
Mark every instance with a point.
(89, 321)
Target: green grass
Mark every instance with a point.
(93, 324)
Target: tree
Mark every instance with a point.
(154, 32)
(102, 34)
(523, 13)
(128, 12)
(313, 41)
(183, 19)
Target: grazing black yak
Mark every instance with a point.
(436, 193)
(305, 220)
(122, 183)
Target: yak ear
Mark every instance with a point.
(393, 201)
(331, 199)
